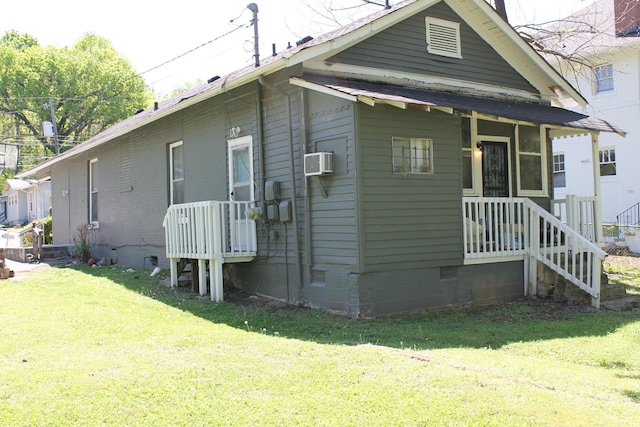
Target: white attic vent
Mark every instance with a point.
(443, 37)
(319, 163)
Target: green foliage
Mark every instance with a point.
(47, 226)
(91, 85)
(28, 239)
(83, 242)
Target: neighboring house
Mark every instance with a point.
(26, 200)
(3, 208)
(400, 163)
(605, 35)
(17, 206)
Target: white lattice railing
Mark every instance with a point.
(517, 228)
(579, 213)
(209, 231)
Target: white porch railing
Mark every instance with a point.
(497, 229)
(579, 213)
(210, 231)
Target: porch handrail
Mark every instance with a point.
(518, 228)
(564, 250)
(629, 217)
(579, 213)
(209, 229)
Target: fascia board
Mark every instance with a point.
(322, 89)
(445, 83)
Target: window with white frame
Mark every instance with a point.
(608, 162)
(603, 78)
(443, 37)
(93, 191)
(176, 173)
(531, 164)
(559, 174)
(412, 155)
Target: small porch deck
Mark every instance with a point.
(497, 229)
(213, 233)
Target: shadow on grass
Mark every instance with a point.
(471, 327)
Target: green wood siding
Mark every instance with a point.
(403, 48)
(410, 221)
(333, 221)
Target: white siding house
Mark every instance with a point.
(26, 200)
(609, 81)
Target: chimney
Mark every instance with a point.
(627, 15)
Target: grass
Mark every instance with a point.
(627, 274)
(105, 347)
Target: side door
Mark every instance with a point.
(241, 189)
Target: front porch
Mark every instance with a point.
(499, 229)
(213, 233)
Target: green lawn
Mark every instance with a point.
(105, 347)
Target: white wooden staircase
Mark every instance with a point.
(502, 229)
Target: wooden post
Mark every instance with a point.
(174, 272)
(215, 277)
(202, 276)
(597, 214)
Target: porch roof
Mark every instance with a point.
(371, 92)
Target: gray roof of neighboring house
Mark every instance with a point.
(17, 184)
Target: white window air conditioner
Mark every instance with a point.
(319, 163)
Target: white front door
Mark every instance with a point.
(241, 187)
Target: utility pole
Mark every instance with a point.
(254, 8)
(55, 126)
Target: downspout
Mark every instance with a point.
(260, 143)
(292, 175)
(302, 109)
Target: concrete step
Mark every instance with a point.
(627, 303)
(612, 291)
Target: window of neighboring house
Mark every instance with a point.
(412, 155)
(559, 177)
(604, 78)
(608, 162)
(443, 37)
(176, 173)
(531, 164)
(93, 191)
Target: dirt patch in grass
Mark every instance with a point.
(630, 261)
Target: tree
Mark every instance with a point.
(88, 87)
